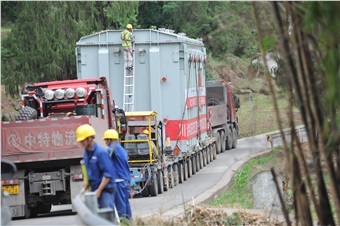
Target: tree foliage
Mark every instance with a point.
(308, 38)
(41, 45)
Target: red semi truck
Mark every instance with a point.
(42, 142)
(222, 118)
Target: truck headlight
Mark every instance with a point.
(70, 93)
(80, 92)
(48, 94)
(59, 94)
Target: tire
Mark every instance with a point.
(204, 156)
(189, 167)
(208, 155)
(234, 131)
(198, 167)
(166, 186)
(160, 182)
(180, 173)
(27, 113)
(145, 192)
(193, 164)
(153, 187)
(171, 180)
(214, 150)
(223, 141)
(218, 143)
(175, 174)
(229, 140)
(185, 170)
(201, 159)
(212, 153)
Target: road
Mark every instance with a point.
(202, 182)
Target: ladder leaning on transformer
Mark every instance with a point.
(129, 84)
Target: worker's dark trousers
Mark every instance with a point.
(122, 194)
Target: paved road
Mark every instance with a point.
(200, 187)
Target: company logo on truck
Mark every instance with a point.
(40, 139)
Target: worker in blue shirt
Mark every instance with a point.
(120, 161)
(98, 166)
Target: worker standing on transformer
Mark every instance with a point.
(98, 166)
(127, 40)
(121, 166)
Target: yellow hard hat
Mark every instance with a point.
(84, 131)
(129, 26)
(146, 132)
(111, 134)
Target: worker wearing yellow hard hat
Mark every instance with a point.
(121, 166)
(127, 40)
(98, 166)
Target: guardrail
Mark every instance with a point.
(275, 136)
(89, 213)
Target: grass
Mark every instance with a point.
(260, 113)
(240, 194)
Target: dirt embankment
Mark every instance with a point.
(9, 106)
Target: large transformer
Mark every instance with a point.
(168, 78)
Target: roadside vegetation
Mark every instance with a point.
(305, 89)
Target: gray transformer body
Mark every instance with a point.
(169, 78)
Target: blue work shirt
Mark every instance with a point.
(120, 161)
(98, 165)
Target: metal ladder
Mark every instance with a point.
(129, 85)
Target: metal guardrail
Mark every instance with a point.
(89, 213)
(275, 136)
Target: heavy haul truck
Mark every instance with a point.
(189, 120)
(42, 142)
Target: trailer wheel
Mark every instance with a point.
(208, 154)
(160, 182)
(211, 153)
(175, 174)
(223, 141)
(145, 192)
(214, 150)
(27, 113)
(229, 140)
(166, 179)
(201, 159)
(171, 180)
(193, 164)
(204, 156)
(185, 170)
(189, 167)
(218, 143)
(153, 188)
(180, 172)
(234, 131)
(197, 162)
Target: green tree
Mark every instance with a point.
(41, 45)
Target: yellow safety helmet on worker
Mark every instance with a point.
(84, 131)
(129, 26)
(146, 132)
(111, 134)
